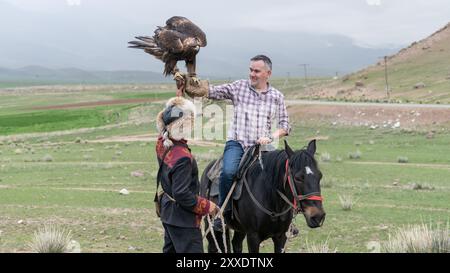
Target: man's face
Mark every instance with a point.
(259, 74)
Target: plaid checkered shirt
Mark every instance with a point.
(254, 111)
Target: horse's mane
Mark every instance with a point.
(303, 158)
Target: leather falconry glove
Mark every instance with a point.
(196, 88)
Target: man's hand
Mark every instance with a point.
(213, 209)
(265, 140)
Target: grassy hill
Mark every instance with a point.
(418, 73)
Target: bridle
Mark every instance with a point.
(312, 196)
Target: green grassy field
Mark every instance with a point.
(71, 180)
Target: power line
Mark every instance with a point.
(306, 73)
(286, 81)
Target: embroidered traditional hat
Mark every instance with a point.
(177, 111)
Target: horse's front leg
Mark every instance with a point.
(253, 242)
(279, 241)
(238, 238)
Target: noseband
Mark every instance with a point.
(313, 196)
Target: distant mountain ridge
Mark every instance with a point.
(39, 74)
(56, 40)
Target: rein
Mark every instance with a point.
(313, 196)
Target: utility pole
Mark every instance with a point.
(386, 77)
(306, 74)
(286, 82)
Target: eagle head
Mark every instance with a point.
(192, 44)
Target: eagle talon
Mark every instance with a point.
(194, 81)
(178, 77)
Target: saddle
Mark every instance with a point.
(251, 154)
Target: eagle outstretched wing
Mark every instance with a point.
(179, 40)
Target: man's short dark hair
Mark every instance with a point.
(263, 58)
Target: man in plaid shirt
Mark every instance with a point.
(256, 105)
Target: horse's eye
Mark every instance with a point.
(300, 177)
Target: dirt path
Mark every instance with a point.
(152, 138)
(390, 105)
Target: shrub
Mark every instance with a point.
(402, 159)
(325, 157)
(355, 155)
(47, 158)
(358, 143)
(347, 202)
(418, 186)
(319, 248)
(51, 239)
(418, 239)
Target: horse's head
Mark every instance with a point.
(304, 181)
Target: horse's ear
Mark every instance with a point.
(288, 149)
(312, 147)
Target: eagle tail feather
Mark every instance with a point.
(148, 45)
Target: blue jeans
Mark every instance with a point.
(231, 157)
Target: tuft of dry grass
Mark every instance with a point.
(355, 155)
(402, 159)
(319, 248)
(347, 202)
(325, 157)
(419, 186)
(47, 158)
(418, 239)
(51, 239)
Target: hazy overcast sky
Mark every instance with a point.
(373, 23)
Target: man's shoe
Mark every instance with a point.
(217, 225)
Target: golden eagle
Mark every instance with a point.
(179, 40)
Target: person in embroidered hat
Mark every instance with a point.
(181, 206)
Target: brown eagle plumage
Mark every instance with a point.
(179, 40)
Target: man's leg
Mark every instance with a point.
(168, 244)
(232, 155)
(185, 240)
(231, 158)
